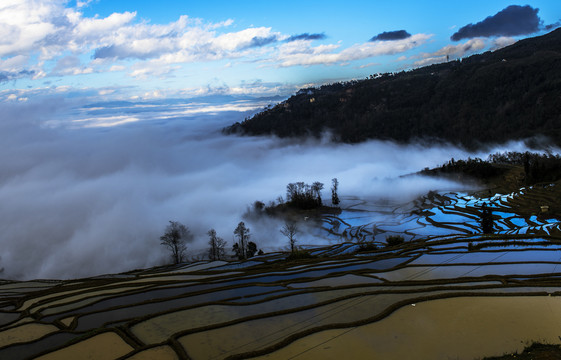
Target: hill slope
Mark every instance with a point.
(511, 93)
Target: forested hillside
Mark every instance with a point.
(511, 93)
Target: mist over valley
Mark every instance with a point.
(85, 198)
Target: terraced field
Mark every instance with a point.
(446, 214)
(447, 281)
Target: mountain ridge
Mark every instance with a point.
(509, 94)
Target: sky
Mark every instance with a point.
(140, 50)
(111, 111)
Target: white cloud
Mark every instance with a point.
(95, 29)
(145, 70)
(49, 30)
(70, 65)
(243, 39)
(104, 92)
(302, 53)
(82, 3)
(117, 68)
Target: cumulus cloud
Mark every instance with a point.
(511, 21)
(87, 198)
(391, 36)
(47, 30)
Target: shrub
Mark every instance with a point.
(298, 254)
(367, 246)
(394, 240)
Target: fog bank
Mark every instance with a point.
(89, 190)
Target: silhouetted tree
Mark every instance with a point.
(527, 167)
(242, 233)
(289, 230)
(394, 240)
(175, 239)
(486, 220)
(334, 196)
(216, 246)
(251, 249)
(237, 250)
(316, 189)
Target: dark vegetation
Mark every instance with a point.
(367, 246)
(511, 93)
(303, 196)
(301, 199)
(216, 250)
(177, 236)
(244, 248)
(394, 240)
(533, 352)
(474, 168)
(299, 254)
(536, 167)
(486, 220)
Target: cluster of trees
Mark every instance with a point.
(511, 93)
(304, 196)
(177, 236)
(299, 195)
(244, 248)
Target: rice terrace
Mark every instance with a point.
(199, 180)
(443, 278)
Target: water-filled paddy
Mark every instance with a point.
(226, 308)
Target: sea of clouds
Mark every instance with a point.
(88, 189)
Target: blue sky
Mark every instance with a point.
(128, 50)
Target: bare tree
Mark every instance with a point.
(289, 230)
(175, 239)
(217, 244)
(242, 233)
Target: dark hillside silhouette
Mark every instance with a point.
(511, 93)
